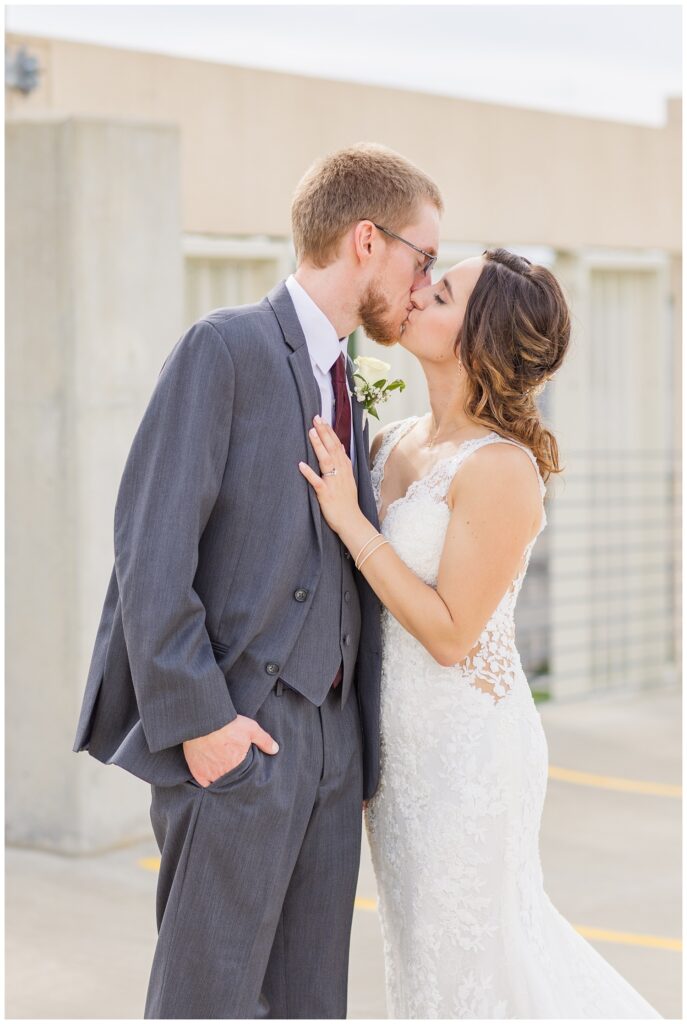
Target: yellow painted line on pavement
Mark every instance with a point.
(629, 939)
(363, 904)
(613, 782)
(149, 863)
(600, 934)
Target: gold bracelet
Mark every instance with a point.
(373, 537)
(385, 541)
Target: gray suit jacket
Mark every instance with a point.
(215, 529)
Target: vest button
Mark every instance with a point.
(347, 596)
(300, 594)
(271, 668)
(347, 639)
(347, 554)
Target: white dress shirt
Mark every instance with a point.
(324, 348)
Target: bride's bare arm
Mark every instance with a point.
(496, 507)
(496, 510)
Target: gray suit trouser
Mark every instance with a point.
(259, 871)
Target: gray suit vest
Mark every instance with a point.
(331, 631)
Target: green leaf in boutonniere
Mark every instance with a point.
(370, 387)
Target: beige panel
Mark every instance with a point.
(506, 173)
(211, 283)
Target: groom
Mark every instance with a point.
(236, 665)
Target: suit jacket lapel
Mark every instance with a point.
(309, 395)
(356, 418)
(362, 451)
(308, 391)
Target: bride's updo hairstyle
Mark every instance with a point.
(513, 339)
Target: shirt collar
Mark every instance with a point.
(323, 344)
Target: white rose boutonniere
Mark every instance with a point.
(371, 385)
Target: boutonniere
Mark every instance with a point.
(371, 385)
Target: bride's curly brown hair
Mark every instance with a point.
(514, 337)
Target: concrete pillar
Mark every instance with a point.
(94, 301)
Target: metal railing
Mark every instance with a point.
(600, 605)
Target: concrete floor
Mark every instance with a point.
(80, 932)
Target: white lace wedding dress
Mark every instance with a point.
(468, 929)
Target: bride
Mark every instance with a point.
(468, 929)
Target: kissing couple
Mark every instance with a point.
(303, 630)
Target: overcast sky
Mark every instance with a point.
(618, 62)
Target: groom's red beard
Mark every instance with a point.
(375, 319)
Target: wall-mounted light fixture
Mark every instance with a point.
(21, 70)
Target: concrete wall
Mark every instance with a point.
(94, 300)
(247, 136)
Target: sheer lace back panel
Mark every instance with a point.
(415, 524)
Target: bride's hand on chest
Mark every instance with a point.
(335, 488)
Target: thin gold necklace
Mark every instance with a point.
(432, 440)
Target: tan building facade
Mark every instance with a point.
(247, 135)
(143, 190)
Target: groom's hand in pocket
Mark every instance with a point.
(218, 752)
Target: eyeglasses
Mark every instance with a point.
(431, 260)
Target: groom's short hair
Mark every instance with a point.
(362, 182)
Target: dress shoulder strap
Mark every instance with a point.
(440, 481)
(495, 438)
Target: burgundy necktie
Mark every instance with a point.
(342, 403)
(342, 429)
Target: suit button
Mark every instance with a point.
(347, 596)
(347, 554)
(300, 594)
(347, 639)
(271, 668)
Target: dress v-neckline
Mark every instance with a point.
(394, 439)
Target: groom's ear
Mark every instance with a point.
(363, 239)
